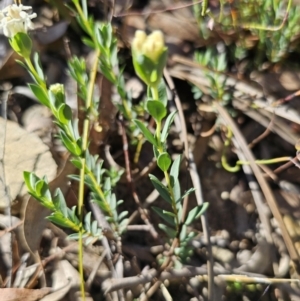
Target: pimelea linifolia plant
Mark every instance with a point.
(149, 58)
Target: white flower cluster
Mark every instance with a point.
(14, 19)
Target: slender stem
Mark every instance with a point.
(36, 77)
(85, 136)
(138, 149)
(154, 91)
(167, 176)
(160, 149)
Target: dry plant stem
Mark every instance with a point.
(159, 11)
(6, 187)
(9, 229)
(293, 161)
(142, 212)
(44, 262)
(259, 202)
(286, 99)
(247, 279)
(196, 183)
(151, 291)
(204, 221)
(266, 133)
(195, 73)
(99, 218)
(263, 185)
(186, 272)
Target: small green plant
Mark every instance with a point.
(149, 59)
(215, 66)
(269, 27)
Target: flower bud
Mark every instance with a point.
(149, 56)
(57, 94)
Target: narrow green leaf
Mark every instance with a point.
(162, 213)
(164, 161)
(182, 235)
(87, 221)
(196, 212)
(30, 180)
(148, 135)
(40, 94)
(174, 173)
(64, 113)
(188, 192)
(122, 215)
(169, 231)
(166, 129)
(76, 162)
(59, 202)
(162, 92)
(163, 190)
(39, 187)
(94, 228)
(72, 147)
(177, 191)
(156, 109)
(37, 65)
(22, 44)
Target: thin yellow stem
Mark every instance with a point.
(35, 74)
(85, 136)
(138, 149)
(265, 162)
(160, 149)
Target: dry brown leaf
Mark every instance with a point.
(23, 294)
(22, 151)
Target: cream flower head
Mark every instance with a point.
(151, 46)
(14, 19)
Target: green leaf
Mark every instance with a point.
(71, 146)
(169, 231)
(64, 113)
(156, 109)
(162, 92)
(182, 235)
(174, 173)
(196, 212)
(76, 162)
(164, 161)
(40, 188)
(166, 129)
(177, 190)
(148, 135)
(40, 94)
(87, 222)
(30, 180)
(60, 203)
(37, 65)
(88, 42)
(163, 190)
(122, 215)
(162, 213)
(188, 192)
(21, 44)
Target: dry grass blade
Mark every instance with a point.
(263, 185)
